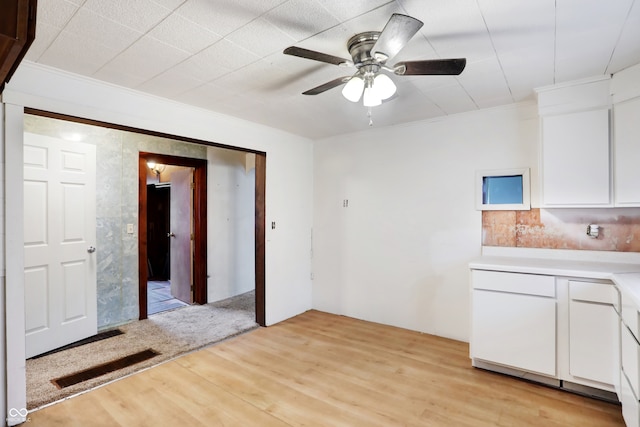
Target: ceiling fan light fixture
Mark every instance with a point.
(383, 86)
(353, 89)
(371, 97)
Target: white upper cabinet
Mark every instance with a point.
(626, 136)
(575, 159)
(576, 144)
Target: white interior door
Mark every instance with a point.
(59, 242)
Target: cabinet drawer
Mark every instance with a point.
(630, 354)
(517, 283)
(593, 292)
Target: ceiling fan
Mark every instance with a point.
(370, 52)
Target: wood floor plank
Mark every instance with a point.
(319, 369)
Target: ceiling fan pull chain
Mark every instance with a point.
(369, 116)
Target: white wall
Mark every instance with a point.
(3, 379)
(398, 253)
(289, 181)
(230, 224)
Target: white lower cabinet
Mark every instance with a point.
(514, 320)
(630, 362)
(565, 330)
(593, 332)
(499, 319)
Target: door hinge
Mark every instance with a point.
(193, 237)
(193, 185)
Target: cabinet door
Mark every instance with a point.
(515, 330)
(626, 150)
(593, 340)
(575, 159)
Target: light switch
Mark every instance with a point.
(129, 228)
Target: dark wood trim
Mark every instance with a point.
(260, 224)
(92, 122)
(200, 225)
(17, 32)
(142, 237)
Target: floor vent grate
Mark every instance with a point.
(105, 368)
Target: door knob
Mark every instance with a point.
(171, 235)
(91, 249)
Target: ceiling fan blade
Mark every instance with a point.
(427, 67)
(395, 35)
(316, 56)
(328, 85)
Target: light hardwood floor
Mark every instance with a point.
(319, 369)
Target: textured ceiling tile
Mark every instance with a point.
(55, 13)
(627, 50)
(225, 16)
(183, 34)
(170, 83)
(484, 81)
(594, 37)
(118, 77)
(374, 20)
(409, 105)
(229, 55)
(206, 96)
(428, 83)
(519, 25)
(454, 28)
(345, 10)
(170, 4)
(147, 58)
(451, 99)
(258, 76)
(102, 31)
(140, 15)
(333, 42)
(261, 37)
(301, 19)
(587, 35)
(537, 70)
(201, 67)
(46, 35)
(76, 54)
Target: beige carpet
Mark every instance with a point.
(170, 333)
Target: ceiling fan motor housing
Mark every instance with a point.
(360, 46)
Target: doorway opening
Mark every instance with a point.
(169, 255)
(172, 239)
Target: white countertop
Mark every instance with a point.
(625, 275)
(629, 284)
(554, 267)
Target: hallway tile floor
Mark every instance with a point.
(159, 298)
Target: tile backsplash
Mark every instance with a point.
(563, 229)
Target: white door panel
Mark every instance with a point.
(59, 227)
